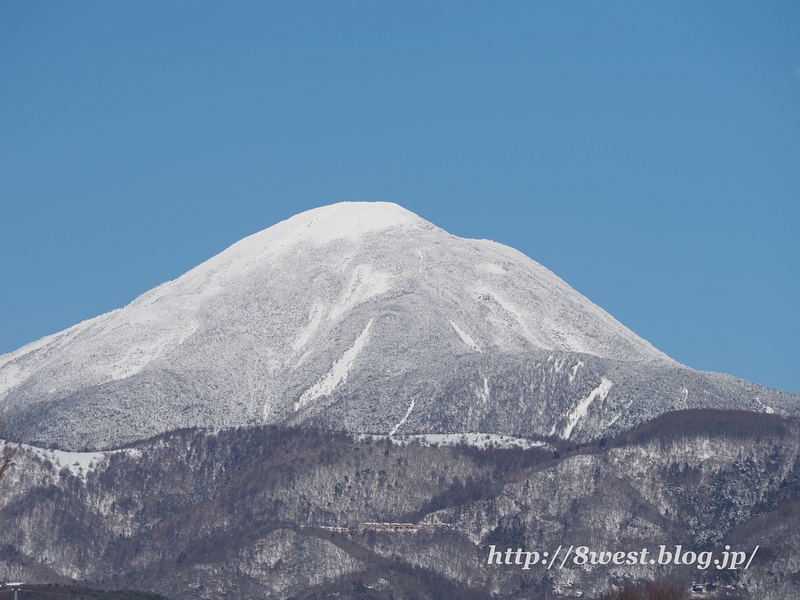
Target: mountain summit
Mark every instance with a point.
(355, 316)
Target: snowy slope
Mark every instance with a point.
(274, 327)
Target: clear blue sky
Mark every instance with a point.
(647, 153)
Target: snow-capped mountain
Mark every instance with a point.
(356, 316)
(493, 406)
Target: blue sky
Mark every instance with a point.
(647, 153)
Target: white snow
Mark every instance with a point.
(365, 283)
(574, 371)
(503, 312)
(579, 411)
(485, 394)
(404, 419)
(338, 373)
(10, 377)
(148, 341)
(33, 356)
(80, 464)
(493, 269)
(468, 341)
(314, 319)
(345, 220)
(767, 409)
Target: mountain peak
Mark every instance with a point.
(285, 321)
(341, 221)
(344, 219)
